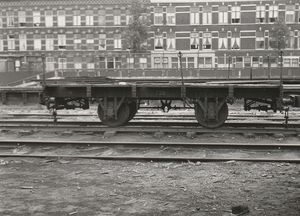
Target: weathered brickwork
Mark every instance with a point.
(231, 29)
(87, 34)
(73, 34)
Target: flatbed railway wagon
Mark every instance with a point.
(119, 100)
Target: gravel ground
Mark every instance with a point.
(33, 186)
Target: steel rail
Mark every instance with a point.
(162, 143)
(153, 158)
(10, 120)
(163, 115)
(158, 128)
(185, 158)
(158, 122)
(238, 122)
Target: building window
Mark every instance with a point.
(62, 45)
(37, 42)
(77, 63)
(130, 62)
(89, 18)
(273, 13)
(102, 62)
(90, 63)
(267, 62)
(255, 61)
(49, 64)
(161, 62)
(158, 16)
(220, 62)
(1, 43)
(158, 42)
(22, 42)
(223, 43)
(235, 41)
(201, 62)
(165, 62)
(190, 62)
(11, 42)
(36, 18)
(291, 40)
(290, 14)
(110, 62)
(260, 42)
(157, 63)
(61, 18)
(194, 15)
(247, 61)
(117, 41)
(171, 41)
(76, 18)
(128, 18)
(10, 19)
(239, 62)
(62, 63)
(205, 62)
(102, 41)
(22, 18)
(102, 18)
(235, 14)
(174, 62)
(143, 63)
(117, 17)
(260, 14)
(208, 62)
(90, 41)
(207, 15)
(223, 15)
(170, 16)
(291, 62)
(118, 62)
(77, 41)
(206, 41)
(194, 41)
(49, 42)
(49, 18)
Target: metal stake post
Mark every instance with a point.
(183, 94)
(229, 60)
(281, 65)
(269, 67)
(44, 72)
(180, 61)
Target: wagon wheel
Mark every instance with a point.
(211, 123)
(122, 116)
(133, 110)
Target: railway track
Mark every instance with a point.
(151, 151)
(145, 117)
(142, 126)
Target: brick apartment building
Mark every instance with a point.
(212, 32)
(82, 35)
(86, 35)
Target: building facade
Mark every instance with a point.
(212, 33)
(86, 35)
(83, 35)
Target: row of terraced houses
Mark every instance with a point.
(86, 35)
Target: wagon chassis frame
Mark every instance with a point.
(207, 98)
